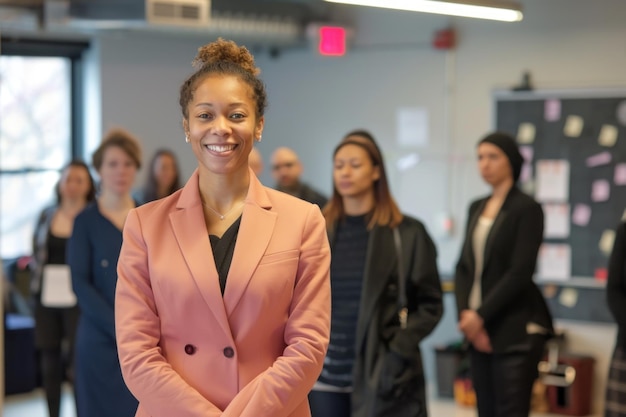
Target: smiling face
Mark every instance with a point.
(354, 173)
(222, 124)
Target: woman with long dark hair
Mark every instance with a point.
(386, 294)
(56, 320)
(163, 176)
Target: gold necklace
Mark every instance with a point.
(220, 215)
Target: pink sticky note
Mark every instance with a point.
(581, 214)
(600, 190)
(620, 174)
(527, 169)
(552, 110)
(527, 152)
(526, 174)
(598, 159)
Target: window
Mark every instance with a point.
(38, 93)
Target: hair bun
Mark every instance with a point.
(225, 51)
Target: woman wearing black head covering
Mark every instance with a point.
(501, 311)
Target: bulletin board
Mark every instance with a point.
(574, 143)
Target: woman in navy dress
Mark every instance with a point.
(93, 250)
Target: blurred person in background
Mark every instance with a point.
(501, 311)
(163, 177)
(386, 293)
(615, 402)
(287, 170)
(93, 251)
(56, 319)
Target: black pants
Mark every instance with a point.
(329, 404)
(503, 382)
(55, 329)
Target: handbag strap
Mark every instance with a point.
(403, 310)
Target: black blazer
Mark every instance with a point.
(616, 283)
(510, 298)
(383, 349)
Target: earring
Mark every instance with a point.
(186, 138)
(260, 137)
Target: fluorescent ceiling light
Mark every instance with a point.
(503, 11)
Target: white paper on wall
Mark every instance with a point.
(552, 178)
(554, 262)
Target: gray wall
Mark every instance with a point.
(315, 100)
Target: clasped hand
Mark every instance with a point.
(472, 326)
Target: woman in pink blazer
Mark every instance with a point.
(223, 297)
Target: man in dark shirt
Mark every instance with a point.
(286, 170)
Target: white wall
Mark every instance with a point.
(315, 100)
(2, 293)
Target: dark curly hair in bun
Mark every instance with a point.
(224, 57)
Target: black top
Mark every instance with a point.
(616, 283)
(306, 193)
(223, 249)
(56, 249)
(346, 270)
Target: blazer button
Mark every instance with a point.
(190, 349)
(229, 352)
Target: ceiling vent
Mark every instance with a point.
(17, 18)
(272, 23)
(179, 12)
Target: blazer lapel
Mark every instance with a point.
(496, 226)
(468, 252)
(255, 232)
(190, 231)
(379, 263)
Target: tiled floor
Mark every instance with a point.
(33, 405)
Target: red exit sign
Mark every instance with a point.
(332, 41)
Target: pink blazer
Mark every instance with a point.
(186, 351)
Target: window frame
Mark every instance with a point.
(31, 47)
(74, 50)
